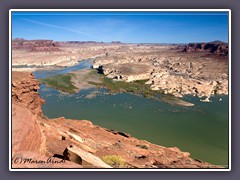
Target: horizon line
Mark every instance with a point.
(119, 42)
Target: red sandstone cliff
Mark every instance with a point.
(38, 142)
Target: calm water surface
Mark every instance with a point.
(201, 130)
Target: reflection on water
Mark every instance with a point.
(201, 130)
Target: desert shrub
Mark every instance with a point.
(143, 146)
(114, 160)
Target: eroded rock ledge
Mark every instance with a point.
(196, 73)
(38, 142)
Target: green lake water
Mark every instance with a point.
(201, 130)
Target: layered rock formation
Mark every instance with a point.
(35, 45)
(25, 91)
(216, 47)
(38, 142)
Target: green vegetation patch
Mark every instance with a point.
(136, 87)
(114, 160)
(62, 82)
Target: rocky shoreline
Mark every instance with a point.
(172, 72)
(39, 142)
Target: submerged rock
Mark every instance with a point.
(205, 100)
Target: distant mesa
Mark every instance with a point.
(215, 47)
(116, 42)
(18, 39)
(79, 42)
(49, 45)
(89, 42)
(35, 45)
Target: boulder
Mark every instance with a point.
(79, 156)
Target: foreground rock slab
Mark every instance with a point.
(78, 155)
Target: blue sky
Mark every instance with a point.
(128, 27)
